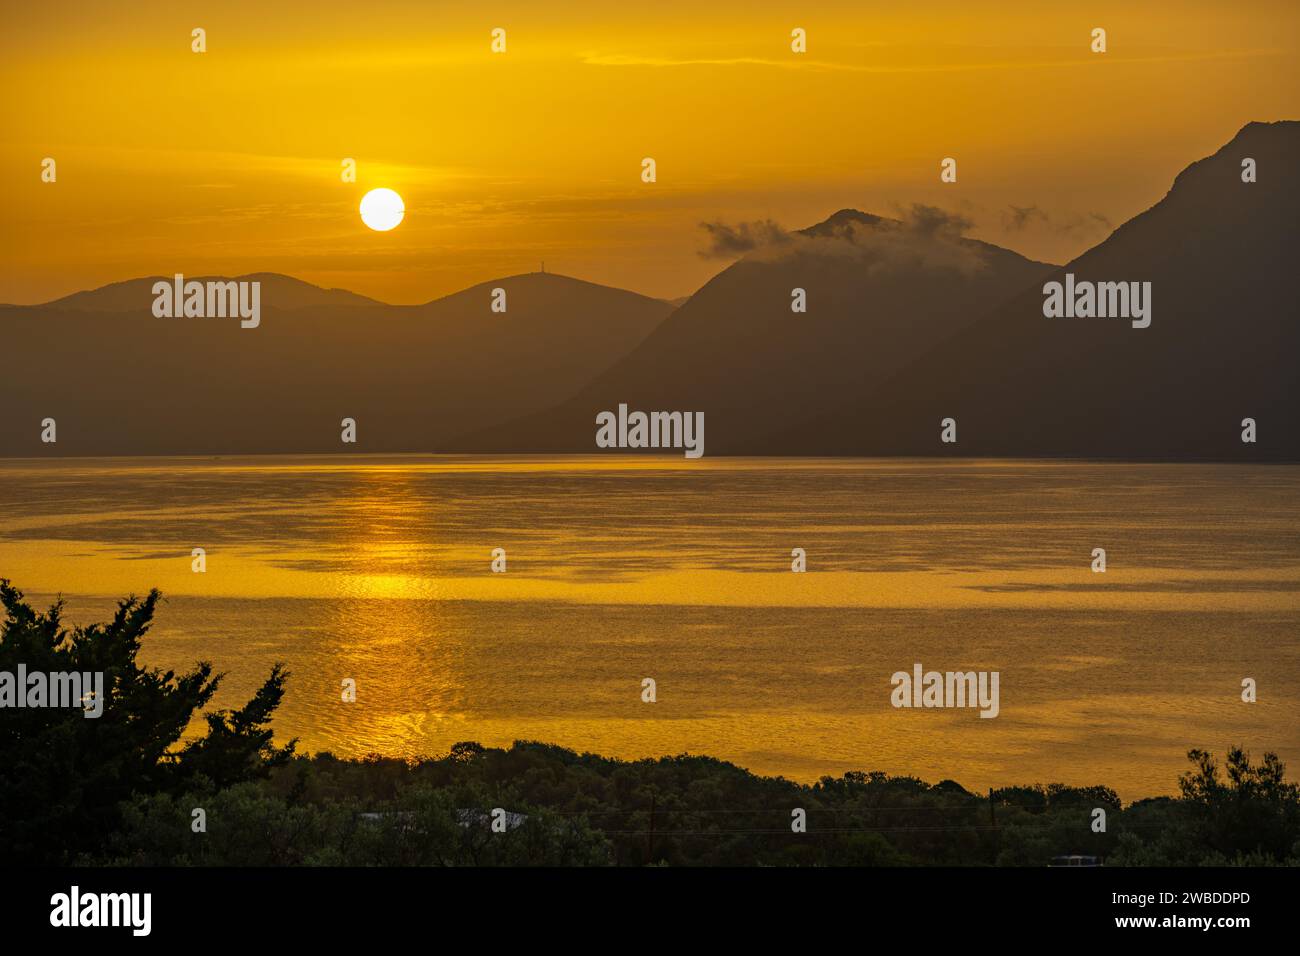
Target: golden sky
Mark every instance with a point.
(228, 161)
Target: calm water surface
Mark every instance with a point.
(377, 569)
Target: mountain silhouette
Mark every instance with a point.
(901, 333)
(906, 323)
(879, 293)
(120, 381)
(1220, 255)
(285, 291)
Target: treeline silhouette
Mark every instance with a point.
(123, 789)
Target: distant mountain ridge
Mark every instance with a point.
(879, 292)
(1219, 252)
(285, 291)
(120, 381)
(906, 323)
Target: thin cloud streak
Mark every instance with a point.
(798, 63)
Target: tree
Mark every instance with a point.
(66, 773)
(1255, 811)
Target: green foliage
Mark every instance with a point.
(65, 776)
(583, 809)
(1253, 813)
(251, 825)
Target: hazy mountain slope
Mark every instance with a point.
(1222, 345)
(127, 383)
(285, 291)
(879, 293)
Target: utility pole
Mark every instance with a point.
(993, 818)
(650, 839)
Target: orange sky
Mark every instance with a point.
(228, 161)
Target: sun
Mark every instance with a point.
(382, 209)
